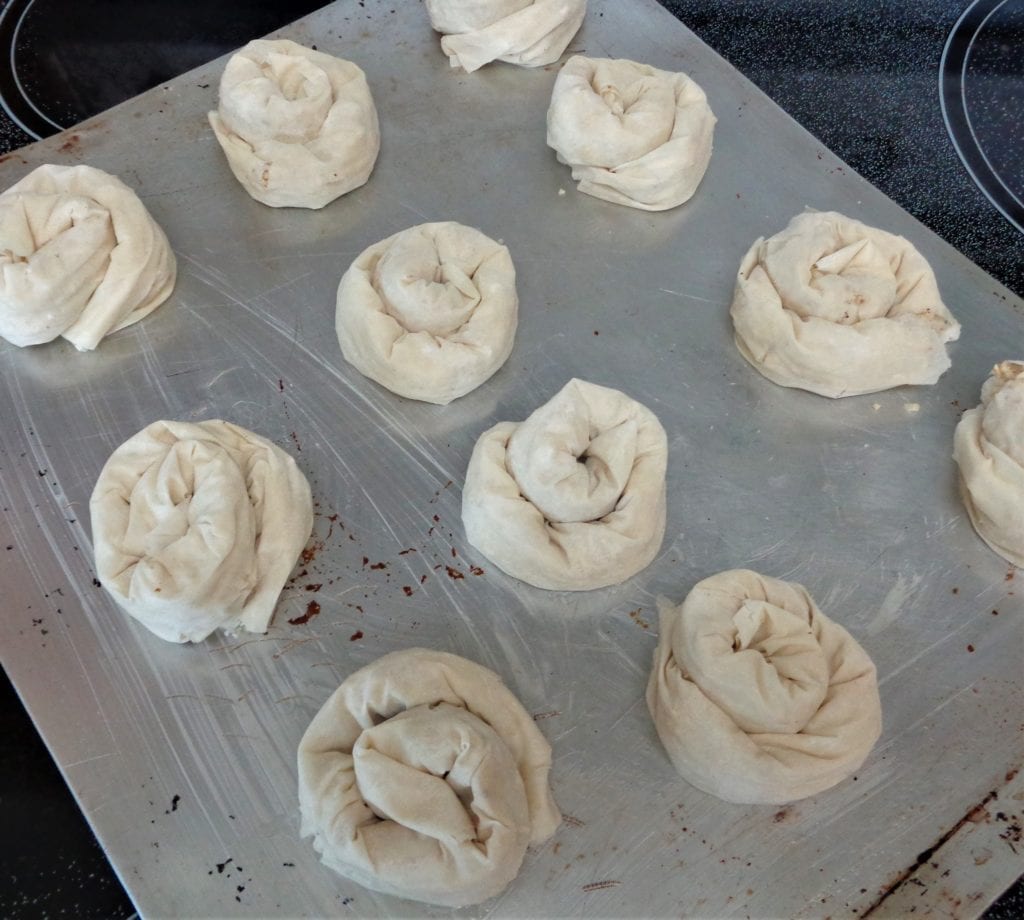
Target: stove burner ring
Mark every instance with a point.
(954, 71)
(15, 101)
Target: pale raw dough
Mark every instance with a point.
(839, 308)
(633, 134)
(422, 776)
(298, 126)
(430, 313)
(757, 696)
(530, 33)
(80, 257)
(196, 526)
(988, 446)
(574, 497)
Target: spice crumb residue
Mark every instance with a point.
(312, 610)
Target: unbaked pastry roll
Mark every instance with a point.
(839, 308)
(574, 497)
(988, 447)
(757, 696)
(633, 134)
(430, 313)
(196, 526)
(530, 33)
(422, 776)
(298, 126)
(80, 257)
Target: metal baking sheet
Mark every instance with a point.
(183, 757)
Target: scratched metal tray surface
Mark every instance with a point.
(183, 758)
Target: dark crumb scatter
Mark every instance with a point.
(314, 587)
(288, 865)
(956, 590)
(312, 610)
(454, 574)
(358, 634)
(408, 591)
(96, 583)
(221, 866)
(970, 648)
(175, 802)
(379, 565)
(476, 570)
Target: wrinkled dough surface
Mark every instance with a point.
(756, 695)
(988, 447)
(632, 134)
(422, 776)
(298, 127)
(839, 308)
(530, 33)
(196, 527)
(80, 257)
(430, 313)
(573, 498)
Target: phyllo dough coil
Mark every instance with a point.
(196, 527)
(80, 257)
(298, 127)
(422, 776)
(839, 308)
(574, 497)
(632, 134)
(530, 33)
(988, 447)
(431, 312)
(757, 696)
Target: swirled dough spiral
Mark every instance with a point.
(80, 257)
(196, 526)
(633, 134)
(430, 313)
(839, 308)
(757, 696)
(530, 33)
(574, 497)
(988, 447)
(298, 126)
(423, 776)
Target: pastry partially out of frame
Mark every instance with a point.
(530, 33)
(988, 447)
(80, 257)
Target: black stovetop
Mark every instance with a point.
(862, 76)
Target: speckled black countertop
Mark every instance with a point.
(862, 76)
